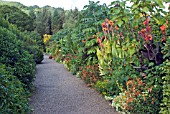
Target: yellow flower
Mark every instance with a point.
(141, 15)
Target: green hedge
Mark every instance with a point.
(37, 53)
(31, 41)
(13, 55)
(13, 97)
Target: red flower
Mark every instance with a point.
(164, 39)
(143, 31)
(148, 28)
(146, 38)
(116, 27)
(104, 25)
(146, 22)
(149, 37)
(163, 27)
(100, 42)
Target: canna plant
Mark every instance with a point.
(149, 31)
(124, 57)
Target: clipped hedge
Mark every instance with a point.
(13, 97)
(19, 53)
(31, 41)
(37, 53)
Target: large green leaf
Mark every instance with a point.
(120, 22)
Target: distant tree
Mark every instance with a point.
(34, 7)
(43, 22)
(32, 14)
(71, 18)
(50, 24)
(58, 19)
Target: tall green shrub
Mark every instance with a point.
(13, 55)
(13, 97)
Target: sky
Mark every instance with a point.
(66, 4)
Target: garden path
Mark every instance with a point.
(59, 92)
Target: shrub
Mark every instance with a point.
(32, 41)
(38, 56)
(36, 52)
(13, 98)
(14, 56)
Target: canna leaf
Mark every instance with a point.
(120, 22)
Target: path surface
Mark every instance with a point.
(59, 92)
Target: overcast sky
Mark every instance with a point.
(66, 4)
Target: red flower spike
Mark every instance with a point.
(143, 31)
(100, 42)
(146, 22)
(148, 28)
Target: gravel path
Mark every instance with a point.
(59, 92)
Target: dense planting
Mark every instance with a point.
(122, 51)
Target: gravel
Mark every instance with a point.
(59, 92)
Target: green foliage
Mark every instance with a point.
(14, 56)
(35, 38)
(165, 67)
(128, 52)
(57, 20)
(32, 14)
(32, 41)
(107, 88)
(17, 17)
(37, 46)
(16, 4)
(43, 22)
(19, 52)
(36, 52)
(71, 19)
(145, 59)
(13, 98)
